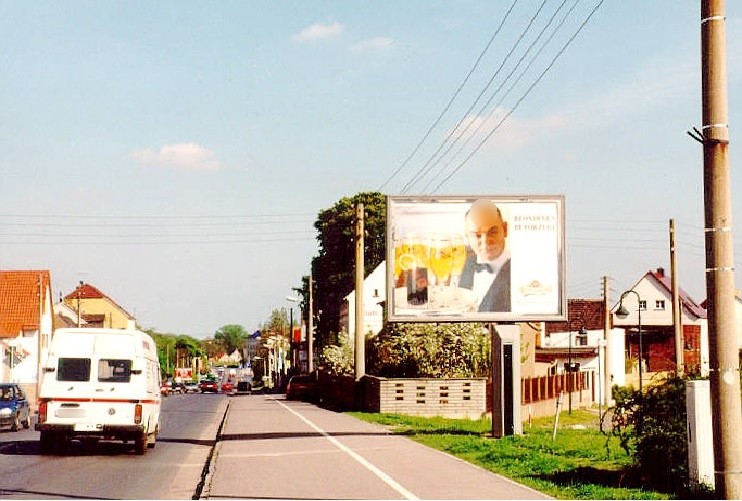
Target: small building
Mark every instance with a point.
(374, 296)
(26, 326)
(96, 309)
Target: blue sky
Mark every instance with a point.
(176, 154)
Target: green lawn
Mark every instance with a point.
(579, 463)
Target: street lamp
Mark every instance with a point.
(622, 313)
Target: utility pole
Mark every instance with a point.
(675, 302)
(310, 329)
(726, 415)
(608, 376)
(360, 344)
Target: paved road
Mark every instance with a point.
(271, 448)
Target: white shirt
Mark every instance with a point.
(483, 279)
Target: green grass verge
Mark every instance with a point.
(580, 462)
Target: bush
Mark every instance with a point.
(652, 428)
(430, 350)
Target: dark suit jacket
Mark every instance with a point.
(497, 297)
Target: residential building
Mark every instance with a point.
(26, 326)
(96, 309)
(374, 296)
(653, 299)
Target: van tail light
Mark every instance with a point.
(138, 414)
(43, 406)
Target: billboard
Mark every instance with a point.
(475, 258)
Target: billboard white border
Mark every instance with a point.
(458, 204)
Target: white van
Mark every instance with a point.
(100, 384)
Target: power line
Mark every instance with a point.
(450, 102)
(525, 94)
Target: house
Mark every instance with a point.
(653, 302)
(96, 309)
(374, 295)
(26, 325)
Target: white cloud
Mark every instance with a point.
(319, 31)
(189, 156)
(376, 43)
(514, 133)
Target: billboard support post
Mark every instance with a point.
(505, 380)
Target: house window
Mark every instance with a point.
(642, 305)
(659, 304)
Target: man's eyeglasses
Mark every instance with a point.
(493, 232)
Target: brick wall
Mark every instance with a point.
(452, 398)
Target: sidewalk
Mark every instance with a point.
(273, 448)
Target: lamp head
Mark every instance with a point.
(622, 312)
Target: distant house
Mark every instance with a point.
(658, 335)
(26, 325)
(92, 308)
(374, 294)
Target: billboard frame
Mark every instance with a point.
(401, 308)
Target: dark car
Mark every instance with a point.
(14, 407)
(302, 387)
(209, 385)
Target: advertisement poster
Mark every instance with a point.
(476, 258)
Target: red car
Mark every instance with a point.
(302, 387)
(227, 387)
(209, 385)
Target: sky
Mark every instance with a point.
(176, 155)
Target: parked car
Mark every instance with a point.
(209, 385)
(244, 387)
(227, 386)
(191, 387)
(166, 388)
(179, 388)
(302, 387)
(14, 407)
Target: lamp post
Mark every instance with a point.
(622, 313)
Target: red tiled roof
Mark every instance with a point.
(85, 291)
(581, 313)
(19, 300)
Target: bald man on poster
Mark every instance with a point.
(487, 268)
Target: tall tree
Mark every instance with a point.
(231, 337)
(333, 269)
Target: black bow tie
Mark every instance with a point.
(479, 267)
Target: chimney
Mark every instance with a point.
(660, 272)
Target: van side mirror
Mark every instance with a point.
(136, 371)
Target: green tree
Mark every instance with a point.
(231, 337)
(334, 268)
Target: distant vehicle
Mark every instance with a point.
(165, 389)
(302, 387)
(100, 384)
(244, 387)
(179, 388)
(191, 387)
(14, 407)
(227, 386)
(209, 385)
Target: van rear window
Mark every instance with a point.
(114, 371)
(74, 369)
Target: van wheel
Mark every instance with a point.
(46, 441)
(152, 438)
(27, 421)
(140, 444)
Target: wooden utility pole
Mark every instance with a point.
(675, 302)
(360, 343)
(724, 350)
(607, 374)
(310, 329)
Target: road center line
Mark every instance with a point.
(369, 466)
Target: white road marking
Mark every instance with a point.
(369, 466)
